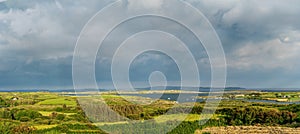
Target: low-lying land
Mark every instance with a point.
(44, 112)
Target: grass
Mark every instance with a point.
(59, 101)
(295, 99)
(45, 113)
(41, 127)
(46, 104)
(179, 117)
(86, 131)
(109, 123)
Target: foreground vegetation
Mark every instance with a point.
(52, 113)
(249, 130)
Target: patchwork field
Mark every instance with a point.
(55, 113)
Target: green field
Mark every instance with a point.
(44, 112)
(59, 101)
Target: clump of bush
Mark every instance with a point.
(23, 129)
(60, 117)
(15, 128)
(255, 115)
(27, 113)
(25, 119)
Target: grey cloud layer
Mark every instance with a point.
(260, 38)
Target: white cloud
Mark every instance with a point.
(42, 31)
(144, 4)
(267, 55)
(272, 14)
(33, 33)
(290, 36)
(59, 5)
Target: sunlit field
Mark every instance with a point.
(44, 112)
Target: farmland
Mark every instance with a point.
(44, 112)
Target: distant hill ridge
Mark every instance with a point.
(200, 89)
(187, 88)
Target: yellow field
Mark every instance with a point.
(46, 113)
(40, 127)
(59, 101)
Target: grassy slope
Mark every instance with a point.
(59, 101)
(46, 102)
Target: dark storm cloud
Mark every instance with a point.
(260, 39)
(50, 73)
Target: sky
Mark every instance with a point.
(261, 41)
